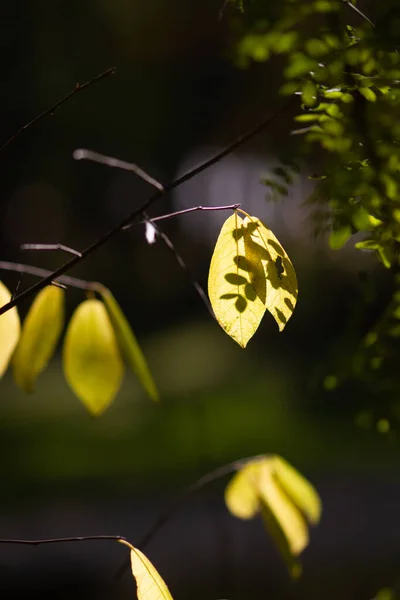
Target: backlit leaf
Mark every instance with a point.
(299, 489)
(150, 584)
(40, 333)
(92, 362)
(129, 344)
(272, 273)
(9, 330)
(237, 307)
(269, 486)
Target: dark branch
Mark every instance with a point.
(81, 538)
(186, 495)
(81, 284)
(109, 161)
(61, 247)
(242, 139)
(50, 111)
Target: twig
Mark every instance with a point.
(50, 111)
(81, 538)
(184, 212)
(50, 247)
(163, 518)
(109, 161)
(81, 284)
(203, 296)
(136, 213)
(358, 11)
(186, 495)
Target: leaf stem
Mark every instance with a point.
(184, 212)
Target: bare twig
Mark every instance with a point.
(81, 284)
(109, 161)
(61, 247)
(201, 293)
(50, 111)
(138, 212)
(176, 505)
(185, 211)
(358, 11)
(81, 538)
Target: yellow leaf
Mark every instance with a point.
(242, 494)
(9, 330)
(269, 486)
(272, 273)
(237, 307)
(40, 333)
(299, 489)
(129, 344)
(92, 362)
(150, 584)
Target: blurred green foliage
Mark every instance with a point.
(346, 73)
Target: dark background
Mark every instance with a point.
(175, 99)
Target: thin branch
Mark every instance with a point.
(201, 293)
(176, 505)
(50, 111)
(81, 538)
(109, 161)
(242, 139)
(81, 284)
(61, 247)
(184, 212)
(163, 518)
(358, 11)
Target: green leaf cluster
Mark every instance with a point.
(347, 78)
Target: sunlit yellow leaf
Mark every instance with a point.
(150, 584)
(92, 362)
(299, 489)
(40, 332)
(129, 344)
(237, 307)
(242, 494)
(9, 330)
(272, 273)
(269, 486)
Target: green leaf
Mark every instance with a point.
(237, 307)
(367, 245)
(129, 345)
(339, 237)
(40, 333)
(269, 486)
(92, 362)
(150, 584)
(9, 330)
(272, 273)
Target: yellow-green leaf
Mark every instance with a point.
(92, 362)
(272, 273)
(237, 307)
(269, 486)
(299, 489)
(9, 330)
(129, 344)
(40, 333)
(150, 584)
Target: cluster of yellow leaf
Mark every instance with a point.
(266, 485)
(96, 338)
(250, 273)
(269, 486)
